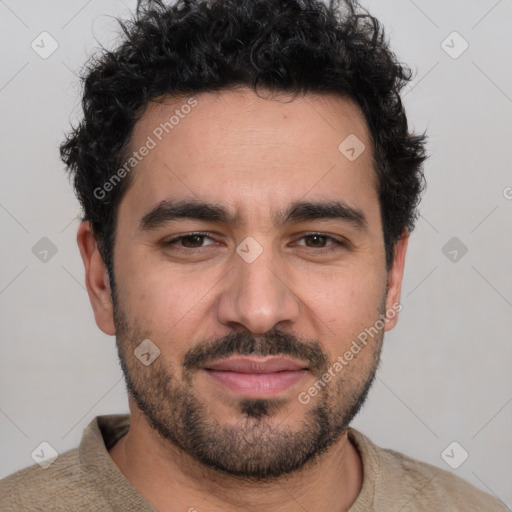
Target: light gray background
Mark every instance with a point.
(445, 374)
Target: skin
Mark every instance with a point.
(254, 156)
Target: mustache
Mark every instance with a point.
(272, 343)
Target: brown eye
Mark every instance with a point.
(316, 240)
(323, 243)
(192, 241)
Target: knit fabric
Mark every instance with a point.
(87, 479)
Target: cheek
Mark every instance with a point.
(166, 302)
(344, 305)
(344, 302)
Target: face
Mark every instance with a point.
(249, 251)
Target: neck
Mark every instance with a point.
(172, 480)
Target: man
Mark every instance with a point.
(249, 185)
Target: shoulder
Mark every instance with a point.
(81, 479)
(62, 486)
(436, 487)
(419, 486)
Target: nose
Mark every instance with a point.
(256, 296)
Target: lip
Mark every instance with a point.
(256, 377)
(253, 364)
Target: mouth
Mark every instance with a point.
(257, 377)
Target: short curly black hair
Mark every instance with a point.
(292, 46)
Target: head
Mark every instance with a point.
(248, 184)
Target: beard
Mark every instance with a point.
(257, 446)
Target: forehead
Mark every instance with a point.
(252, 153)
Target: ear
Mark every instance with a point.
(394, 281)
(96, 279)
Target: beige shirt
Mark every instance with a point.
(86, 479)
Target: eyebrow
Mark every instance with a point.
(300, 211)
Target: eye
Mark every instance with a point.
(194, 242)
(322, 242)
(188, 242)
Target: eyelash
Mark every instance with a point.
(335, 245)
